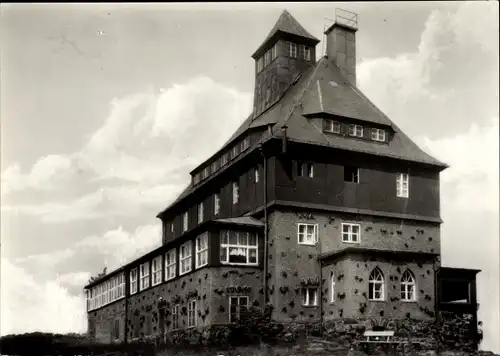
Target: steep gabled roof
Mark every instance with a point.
(287, 24)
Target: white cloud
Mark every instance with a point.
(28, 305)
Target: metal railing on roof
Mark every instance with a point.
(346, 18)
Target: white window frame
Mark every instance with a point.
(355, 130)
(256, 175)
(236, 192)
(306, 236)
(226, 245)
(307, 53)
(144, 276)
(376, 279)
(267, 58)
(172, 226)
(224, 159)
(238, 298)
(332, 288)
(192, 313)
(185, 258)
(408, 287)
(356, 175)
(216, 203)
(170, 264)
(185, 221)
(201, 250)
(260, 64)
(401, 180)
(156, 268)
(200, 212)
(332, 126)
(245, 144)
(306, 296)
(291, 49)
(306, 169)
(347, 236)
(274, 52)
(378, 135)
(175, 316)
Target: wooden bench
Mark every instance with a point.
(389, 338)
(378, 336)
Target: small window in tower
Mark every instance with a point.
(274, 51)
(267, 58)
(305, 169)
(351, 174)
(260, 63)
(332, 126)
(305, 52)
(378, 135)
(356, 130)
(291, 49)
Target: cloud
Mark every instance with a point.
(28, 305)
(450, 75)
(138, 158)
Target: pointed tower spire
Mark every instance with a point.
(287, 51)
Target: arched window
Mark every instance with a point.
(376, 285)
(408, 287)
(332, 291)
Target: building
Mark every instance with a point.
(318, 204)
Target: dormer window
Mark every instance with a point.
(245, 143)
(291, 49)
(235, 151)
(215, 166)
(378, 135)
(223, 160)
(206, 172)
(356, 130)
(332, 126)
(196, 178)
(305, 52)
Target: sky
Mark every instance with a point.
(105, 109)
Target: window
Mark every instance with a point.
(196, 178)
(216, 203)
(332, 126)
(170, 262)
(351, 174)
(378, 135)
(245, 143)
(260, 64)
(116, 329)
(356, 130)
(332, 288)
(200, 213)
(376, 285)
(175, 317)
(350, 233)
(291, 49)
(237, 306)
(206, 172)
(185, 221)
(202, 250)
(215, 166)
(408, 287)
(305, 169)
(185, 258)
(268, 94)
(402, 183)
(144, 276)
(192, 313)
(224, 160)
(156, 270)
(235, 151)
(236, 192)
(305, 52)
(267, 58)
(307, 234)
(256, 175)
(309, 297)
(238, 247)
(172, 228)
(274, 51)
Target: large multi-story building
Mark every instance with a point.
(318, 205)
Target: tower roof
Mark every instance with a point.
(286, 24)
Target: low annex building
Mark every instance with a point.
(318, 205)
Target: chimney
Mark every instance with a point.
(341, 43)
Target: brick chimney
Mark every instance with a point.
(341, 43)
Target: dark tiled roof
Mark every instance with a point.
(314, 93)
(287, 24)
(243, 220)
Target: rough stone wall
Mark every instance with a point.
(290, 262)
(101, 322)
(234, 281)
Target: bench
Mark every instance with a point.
(388, 337)
(378, 336)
